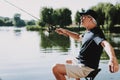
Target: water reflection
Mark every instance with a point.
(54, 42)
(26, 55)
(17, 32)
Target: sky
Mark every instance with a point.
(33, 6)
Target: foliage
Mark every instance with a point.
(100, 10)
(65, 17)
(117, 14)
(18, 21)
(41, 23)
(46, 15)
(33, 28)
(5, 21)
(108, 16)
(31, 22)
(51, 17)
(15, 21)
(1, 22)
(77, 18)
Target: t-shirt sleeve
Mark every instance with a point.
(98, 39)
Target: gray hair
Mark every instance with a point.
(94, 21)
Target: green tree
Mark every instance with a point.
(31, 22)
(106, 14)
(46, 16)
(41, 23)
(1, 21)
(50, 17)
(18, 21)
(101, 14)
(8, 21)
(56, 17)
(117, 14)
(64, 17)
(77, 18)
(109, 14)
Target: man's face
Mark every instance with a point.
(85, 19)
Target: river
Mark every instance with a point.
(30, 55)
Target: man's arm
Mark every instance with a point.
(69, 33)
(113, 63)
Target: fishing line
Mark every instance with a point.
(28, 14)
(21, 9)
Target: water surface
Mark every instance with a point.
(26, 55)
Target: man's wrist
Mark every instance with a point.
(112, 58)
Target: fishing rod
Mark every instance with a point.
(52, 29)
(21, 9)
(28, 14)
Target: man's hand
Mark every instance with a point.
(113, 65)
(61, 31)
(69, 61)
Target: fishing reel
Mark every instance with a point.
(52, 29)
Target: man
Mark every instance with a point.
(93, 42)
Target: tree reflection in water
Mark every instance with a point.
(54, 42)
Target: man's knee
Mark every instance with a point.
(59, 68)
(55, 68)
